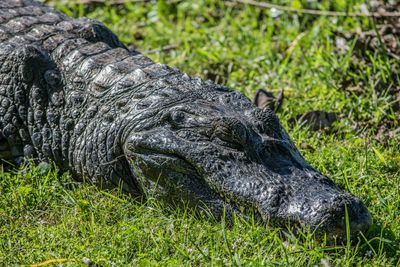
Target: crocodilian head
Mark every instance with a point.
(215, 147)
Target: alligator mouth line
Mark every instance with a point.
(174, 164)
(155, 155)
(242, 208)
(145, 153)
(164, 162)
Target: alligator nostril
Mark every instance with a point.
(358, 217)
(330, 215)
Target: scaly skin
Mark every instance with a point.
(72, 94)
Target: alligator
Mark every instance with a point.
(71, 93)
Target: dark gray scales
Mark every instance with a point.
(72, 94)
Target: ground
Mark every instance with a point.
(347, 65)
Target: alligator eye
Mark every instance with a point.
(240, 135)
(52, 77)
(233, 133)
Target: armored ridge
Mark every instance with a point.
(71, 93)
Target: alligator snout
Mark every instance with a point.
(343, 216)
(334, 213)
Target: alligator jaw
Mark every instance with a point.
(175, 176)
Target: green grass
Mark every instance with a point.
(45, 215)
